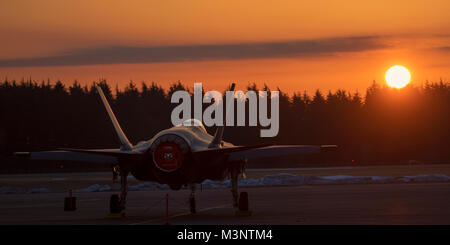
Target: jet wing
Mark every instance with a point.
(99, 155)
(61, 155)
(83, 155)
(115, 153)
(278, 150)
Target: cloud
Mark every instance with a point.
(444, 48)
(153, 54)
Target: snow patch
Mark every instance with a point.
(11, 190)
(282, 179)
(426, 178)
(15, 190)
(148, 186)
(94, 188)
(40, 190)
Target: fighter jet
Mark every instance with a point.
(184, 155)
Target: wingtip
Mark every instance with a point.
(324, 148)
(22, 154)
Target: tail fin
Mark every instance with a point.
(126, 145)
(219, 131)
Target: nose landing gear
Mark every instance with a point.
(192, 203)
(114, 204)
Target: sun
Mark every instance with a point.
(398, 76)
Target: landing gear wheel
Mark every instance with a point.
(243, 201)
(114, 204)
(192, 205)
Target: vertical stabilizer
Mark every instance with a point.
(126, 145)
(219, 131)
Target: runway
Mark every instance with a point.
(410, 203)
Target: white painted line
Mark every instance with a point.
(179, 215)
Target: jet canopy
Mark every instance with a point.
(194, 124)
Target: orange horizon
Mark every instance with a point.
(286, 44)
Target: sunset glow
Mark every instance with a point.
(398, 76)
(296, 46)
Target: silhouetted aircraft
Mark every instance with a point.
(178, 156)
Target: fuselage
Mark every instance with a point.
(188, 169)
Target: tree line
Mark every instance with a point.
(384, 124)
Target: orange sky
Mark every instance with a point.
(410, 33)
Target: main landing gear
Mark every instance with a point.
(117, 203)
(239, 201)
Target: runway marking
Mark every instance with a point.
(179, 215)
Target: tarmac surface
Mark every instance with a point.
(409, 203)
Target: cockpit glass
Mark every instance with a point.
(195, 124)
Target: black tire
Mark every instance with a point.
(114, 204)
(70, 203)
(243, 201)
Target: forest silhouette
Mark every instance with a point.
(384, 125)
